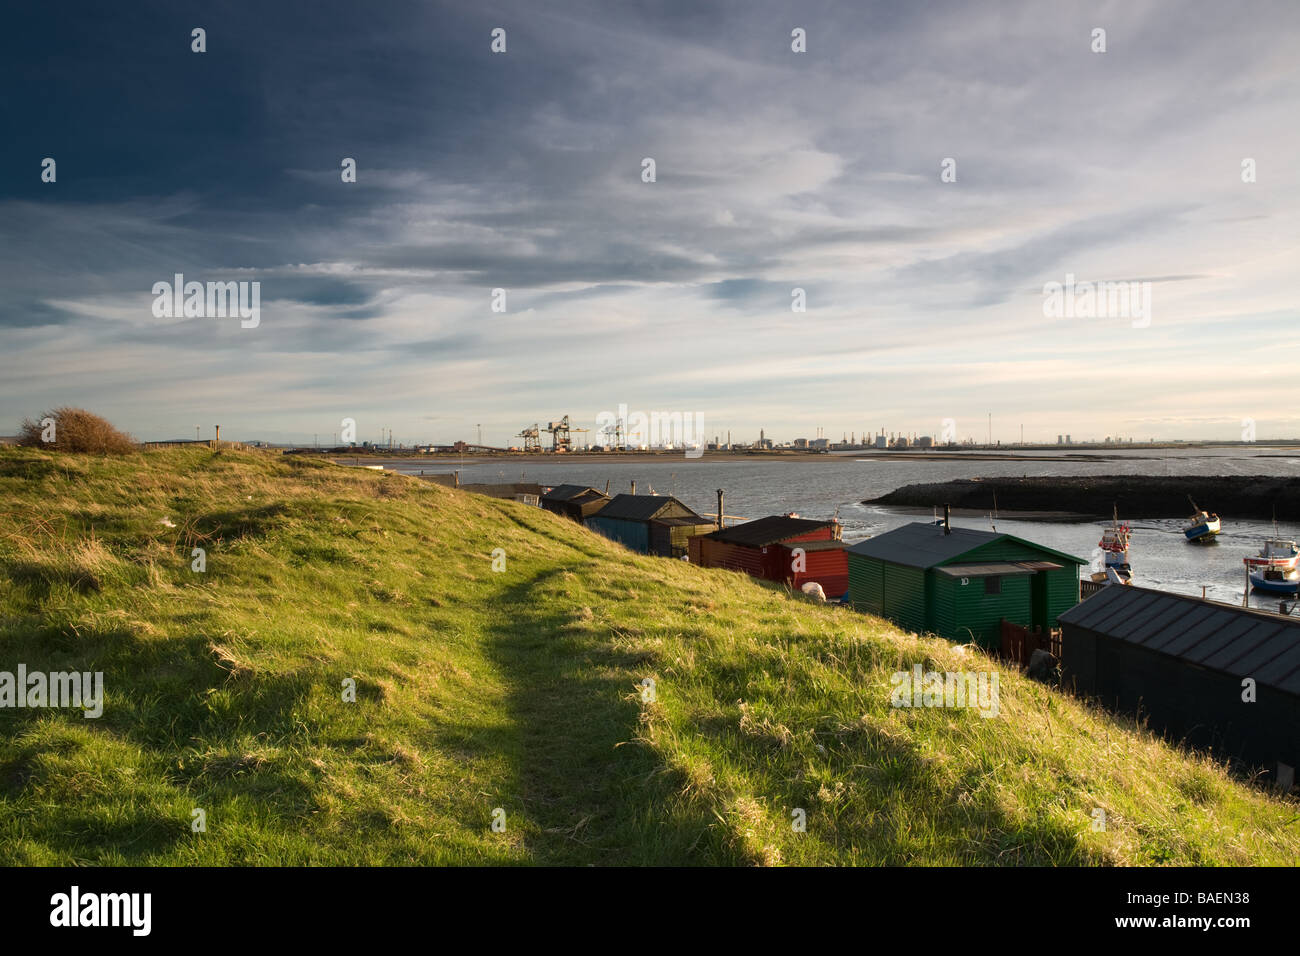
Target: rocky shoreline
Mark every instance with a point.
(1136, 496)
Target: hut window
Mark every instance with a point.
(992, 585)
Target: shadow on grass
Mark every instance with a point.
(42, 579)
(903, 808)
(191, 717)
(89, 837)
(27, 468)
(589, 794)
(236, 523)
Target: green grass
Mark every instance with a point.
(518, 690)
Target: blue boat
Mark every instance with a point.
(1286, 583)
(1202, 526)
(1275, 569)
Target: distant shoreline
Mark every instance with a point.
(1135, 496)
(1077, 453)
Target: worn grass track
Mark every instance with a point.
(519, 690)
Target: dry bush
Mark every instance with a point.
(77, 430)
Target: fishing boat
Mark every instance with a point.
(1114, 549)
(1202, 526)
(1275, 567)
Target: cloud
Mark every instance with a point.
(522, 171)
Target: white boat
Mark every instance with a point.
(1275, 567)
(1114, 548)
(1202, 526)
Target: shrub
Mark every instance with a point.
(76, 430)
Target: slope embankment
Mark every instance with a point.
(369, 669)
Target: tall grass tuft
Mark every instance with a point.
(75, 430)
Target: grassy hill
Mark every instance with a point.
(519, 690)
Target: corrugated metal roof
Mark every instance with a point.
(1238, 641)
(570, 492)
(769, 530)
(643, 507)
(924, 545)
(991, 569)
(920, 545)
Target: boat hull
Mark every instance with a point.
(1275, 569)
(1119, 574)
(1204, 531)
(1275, 585)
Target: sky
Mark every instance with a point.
(774, 171)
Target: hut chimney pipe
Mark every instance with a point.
(721, 525)
(947, 520)
(634, 487)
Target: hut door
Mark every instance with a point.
(1038, 600)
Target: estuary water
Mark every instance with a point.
(834, 485)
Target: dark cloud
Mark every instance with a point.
(523, 171)
(32, 313)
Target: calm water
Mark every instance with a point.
(834, 486)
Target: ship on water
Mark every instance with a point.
(1202, 526)
(1114, 548)
(1275, 569)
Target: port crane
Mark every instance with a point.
(614, 434)
(532, 438)
(560, 434)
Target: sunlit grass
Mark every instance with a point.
(520, 690)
